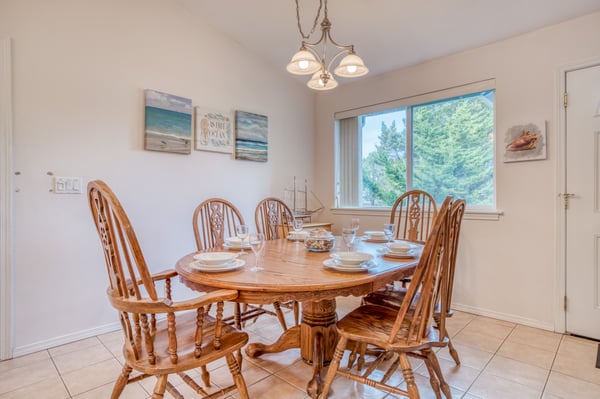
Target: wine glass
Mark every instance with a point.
(348, 235)
(388, 230)
(298, 225)
(257, 243)
(242, 233)
(355, 223)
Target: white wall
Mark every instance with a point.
(507, 267)
(80, 68)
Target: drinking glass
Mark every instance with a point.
(242, 233)
(348, 235)
(388, 230)
(298, 225)
(355, 223)
(257, 243)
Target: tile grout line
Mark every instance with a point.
(59, 374)
(552, 365)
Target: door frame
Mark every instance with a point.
(560, 315)
(6, 201)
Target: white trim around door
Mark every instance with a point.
(6, 328)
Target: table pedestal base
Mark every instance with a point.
(316, 337)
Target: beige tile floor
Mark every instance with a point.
(499, 360)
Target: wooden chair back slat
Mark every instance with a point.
(214, 221)
(425, 284)
(273, 217)
(413, 214)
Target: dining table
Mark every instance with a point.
(291, 272)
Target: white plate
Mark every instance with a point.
(398, 255)
(375, 240)
(331, 264)
(215, 258)
(351, 258)
(235, 246)
(233, 265)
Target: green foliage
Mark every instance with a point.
(453, 153)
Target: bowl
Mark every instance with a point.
(399, 247)
(215, 258)
(375, 235)
(351, 258)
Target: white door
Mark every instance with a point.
(583, 210)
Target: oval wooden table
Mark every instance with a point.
(293, 273)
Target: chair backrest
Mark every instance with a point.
(426, 284)
(215, 220)
(128, 273)
(454, 223)
(413, 214)
(273, 217)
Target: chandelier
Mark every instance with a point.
(308, 60)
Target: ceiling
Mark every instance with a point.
(387, 34)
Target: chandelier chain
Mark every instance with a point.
(316, 21)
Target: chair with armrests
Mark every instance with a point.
(273, 218)
(392, 296)
(162, 336)
(215, 220)
(406, 331)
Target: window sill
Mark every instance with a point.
(469, 214)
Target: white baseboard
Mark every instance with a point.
(65, 339)
(503, 316)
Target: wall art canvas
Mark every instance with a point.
(214, 131)
(525, 142)
(168, 121)
(251, 142)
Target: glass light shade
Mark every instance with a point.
(303, 63)
(351, 66)
(316, 83)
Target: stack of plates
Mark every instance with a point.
(298, 235)
(216, 262)
(236, 243)
(375, 236)
(400, 249)
(349, 261)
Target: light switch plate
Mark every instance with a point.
(67, 185)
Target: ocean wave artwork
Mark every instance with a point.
(252, 131)
(168, 123)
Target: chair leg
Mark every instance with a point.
(435, 364)
(453, 351)
(333, 366)
(409, 377)
(435, 385)
(280, 316)
(121, 382)
(237, 316)
(238, 379)
(159, 388)
(205, 376)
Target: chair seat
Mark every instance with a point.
(186, 324)
(392, 296)
(373, 324)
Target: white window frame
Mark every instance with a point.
(472, 212)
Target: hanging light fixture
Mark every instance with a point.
(308, 60)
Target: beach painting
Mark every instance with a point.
(168, 123)
(214, 130)
(251, 142)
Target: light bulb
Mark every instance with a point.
(303, 64)
(351, 68)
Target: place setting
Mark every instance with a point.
(296, 232)
(400, 249)
(216, 262)
(352, 262)
(240, 241)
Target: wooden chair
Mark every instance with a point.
(215, 220)
(162, 336)
(413, 214)
(393, 296)
(273, 218)
(405, 331)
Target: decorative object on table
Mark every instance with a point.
(168, 123)
(319, 240)
(308, 60)
(214, 131)
(525, 142)
(251, 140)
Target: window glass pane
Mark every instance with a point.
(383, 157)
(453, 148)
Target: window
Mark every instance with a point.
(444, 146)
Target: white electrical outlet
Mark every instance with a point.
(67, 185)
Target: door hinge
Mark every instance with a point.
(565, 100)
(565, 303)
